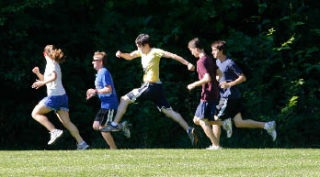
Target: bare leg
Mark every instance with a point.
(248, 123)
(109, 139)
(122, 108)
(176, 117)
(65, 120)
(216, 129)
(207, 130)
(106, 135)
(38, 115)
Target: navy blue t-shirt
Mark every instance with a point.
(109, 100)
(231, 72)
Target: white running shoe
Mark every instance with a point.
(270, 127)
(54, 135)
(125, 129)
(82, 146)
(227, 126)
(213, 147)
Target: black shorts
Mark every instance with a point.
(150, 91)
(228, 108)
(104, 116)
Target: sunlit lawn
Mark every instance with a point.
(162, 162)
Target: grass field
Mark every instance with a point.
(162, 162)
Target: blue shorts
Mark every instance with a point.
(206, 110)
(56, 103)
(150, 91)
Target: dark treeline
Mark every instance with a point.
(276, 43)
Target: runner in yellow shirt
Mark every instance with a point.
(152, 88)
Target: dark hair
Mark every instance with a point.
(102, 56)
(143, 39)
(220, 45)
(195, 43)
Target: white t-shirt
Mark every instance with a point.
(55, 87)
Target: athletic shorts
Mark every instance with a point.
(56, 103)
(150, 91)
(105, 115)
(228, 108)
(206, 110)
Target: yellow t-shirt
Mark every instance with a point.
(150, 64)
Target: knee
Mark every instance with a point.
(237, 123)
(196, 121)
(34, 114)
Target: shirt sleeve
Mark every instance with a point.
(158, 52)
(136, 52)
(235, 68)
(202, 69)
(106, 78)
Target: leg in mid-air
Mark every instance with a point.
(38, 114)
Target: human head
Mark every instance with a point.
(99, 59)
(54, 53)
(195, 46)
(142, 39)
(218, 48)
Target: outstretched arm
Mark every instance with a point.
(127, 56)
(180, 59)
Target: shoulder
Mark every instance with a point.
(157, 50)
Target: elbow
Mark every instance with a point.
(244, 79)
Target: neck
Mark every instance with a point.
(201, 54)
(222, 57)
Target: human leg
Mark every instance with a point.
(109, 139)
(38, 114)
(247, 123)
(65, 120)
(207, 130)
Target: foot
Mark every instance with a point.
(54, 135)
(125, 129)
(111, 127)
(192, 135)
(270, 127)
(82, 146)
(213, 147)
(227, 126)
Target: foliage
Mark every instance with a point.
(274, 42)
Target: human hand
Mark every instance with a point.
(225, 85)
(190, 87)
(90, 93)
(37, 84)
(190, 67)
(118, 54)
(36, 70)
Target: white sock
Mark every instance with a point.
(114, 124)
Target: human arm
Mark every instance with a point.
(206, 79)
(36, 71)
(219, 75)
(127, 56)
(239, 80)
(39, 83)
(92, 92)
(180, 59)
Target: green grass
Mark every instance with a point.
(162, 162)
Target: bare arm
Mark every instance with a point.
(180, 59)
(39, 83)
(92, 92)
(36, 71)
(239, 80)
(219, 75)
(206, 79)
(127, 56)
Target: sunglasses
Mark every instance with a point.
(96, 60)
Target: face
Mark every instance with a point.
(216, 53)
(97, 63)
(194, 52)
(143, 48)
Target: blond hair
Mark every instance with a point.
(101, 56)
(54, 53)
